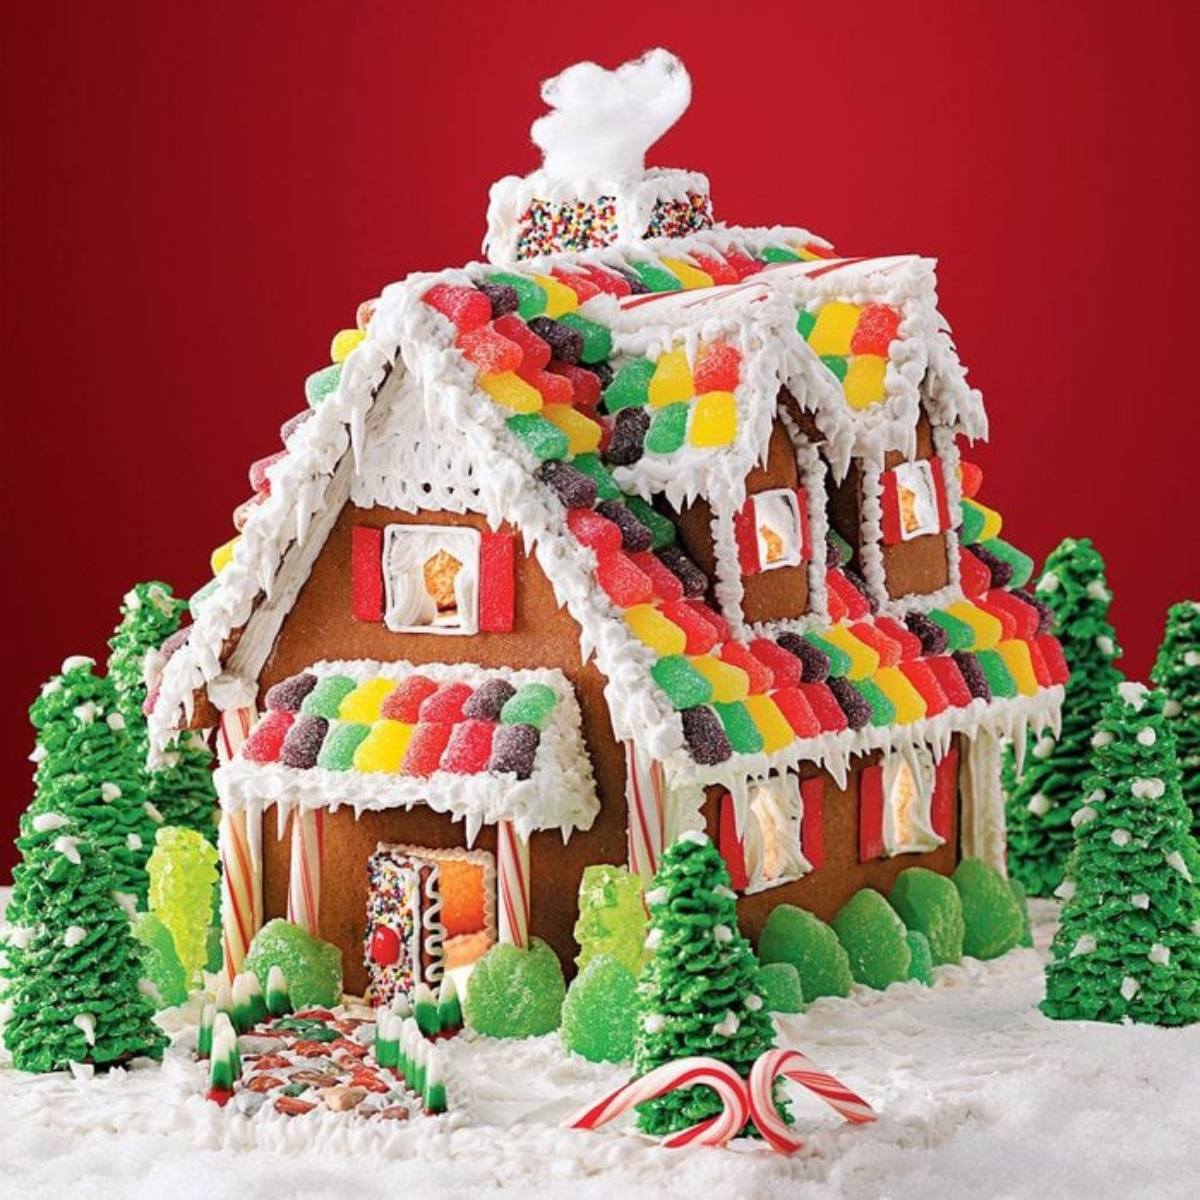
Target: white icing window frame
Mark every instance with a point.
(916, 773)
(786, 499)
(776, 799)
(462, 541)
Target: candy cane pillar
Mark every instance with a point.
(645, 795)
(240, 845)
(304, 874)
(512, 883)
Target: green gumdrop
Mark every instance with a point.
(668, 428)
(1021, 563)
(597, 340)
(997, 674)
(1018, 890)
(591, 466)
(779, 983)
(160, 963)
(612, 916)
(182, 870)
(839, 364)
(326, 698)
(337, 752)
(531, 296)
(515, 993)
(739, 727)
(920, 966)
(959, 635)
(312, 968)
(542, 438)
(973, 522)
(990, 910)
(529, 705)
(778, 254)
(684, 685)
(657, 279)
(662, 529)
(873, 936)
(795, 936)
(839, 660)
(630, 387)
(599, 1014)
(805, 322)
(929, 903)
(320, 383)
(883, 711)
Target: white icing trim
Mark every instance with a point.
(983, 829)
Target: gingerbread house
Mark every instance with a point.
(649, 523)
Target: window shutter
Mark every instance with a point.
(939, 491)
(812, 829)
(747, 539)
(805, 532)
(870, 813)
(891, 509)
(366, 573)
(497, 583)
(733, 849)
(945, 792)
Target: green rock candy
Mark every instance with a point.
(312, 968)
(515, 993)
(795, 936)
(599, 1015)
(183, 878)
(160, 963)
(990, 910)
(929, 903)
(873, 937)
(612, 916)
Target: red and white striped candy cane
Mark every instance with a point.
(241, 889)
(646, 804)
(232, 730)
(304, 870)
(801, 1069)
(512, 883)
(686, 1072)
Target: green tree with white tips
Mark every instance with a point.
(1177, 674)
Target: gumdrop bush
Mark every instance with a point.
(873, 937)
(516, 993)
(929, 903)
(779, 983)
(920, 965)
(312, 968)
(599, 1015)
(991, 913)
(792, 935)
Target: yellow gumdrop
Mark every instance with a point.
(1020, 665)
(775, 728)
(834, 328)
(894, 684)
(864, 661)
(362, 704)
(343, 342)
(383, 748)
(672, 379)
(559, 298)
(648, 625)
(222, 556)
(583, 434)
(509, 389)
(864, 382)
(688, 275)
(714, 420)
(729, 683)
(987, 629)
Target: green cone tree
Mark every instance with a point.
(699, 992)
(1128, 947)
(1177, 675)
(181, 788)
(70, 988)
(85, 771)
(1041, 801)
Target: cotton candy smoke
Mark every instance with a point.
(604, 121)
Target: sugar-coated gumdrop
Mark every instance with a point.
(779, 254)
(759, 675)
(514, 750)
(718, 368)
(838, 660)
(649, 626)
(559, 298)
(786, 669)
(634, 536)
(383, 749)
(656, 278)
(873, 937)
(824, 706)
(531, 297)
(578, 282)
(510, 391)
(714, 420)
(404, 704)
(684, 685)
(487, 350)
(920, 964)
(326, 698)
(705, 736)
(531, 704)
(612, 916)
(833, 328)
(469, 748)
(543, 438)
(743, 264)
(535, 351)
(345, 341)
(515, 993)
(793, 935)
(502, 297)
(363, 703)
(312, 968)
(261, 483)
(929, 903)
(585, 386)
(688, 274)
(718, 270)
(992, 918)
(467, 307)
(293, 423)
(972, 673)
(596, 340)
(662, 529)
(591, 466)
(728, 682)
(266, 737)
(779, 984)
(665, 583)
(566, 344)
(814, 663)
(160, 963)
(593, 530)
(488, 699)
(883, 711)
(887, 650)
(608, 281)
(302, 745)
(797, 711)
(740, 729)
(289, 694)
(183, 876)
(701, 634)
(1000, 682)
(573, 488)
(426, 747)
(770, 722)
(340, 745)
(321, 384)
(553, 389)
(445, 704)
(599, 1014)
(876, 330)
(582, 433)
(622, 582)
(628, 438)
(630, 386)
(853, 704)
(672, 380)
(934, 639)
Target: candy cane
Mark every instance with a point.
(241, 890)
(645, 796)
(232, 730)
(304, 872)
(512, 881)
(801, 1069)
(685, 1072)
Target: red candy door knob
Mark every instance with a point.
(385, 946)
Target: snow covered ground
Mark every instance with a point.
(979, 1096)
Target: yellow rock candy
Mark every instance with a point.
(383, 748)
(583, 434)
(863, 384)
(648, 625)
(362, 704)
(509, 389)
(714, 420)
(834, 328)
(1020, 666)
(688, 275)
(672, 379)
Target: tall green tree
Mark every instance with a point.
(1128, 947)
(1177, 674)
(1042, 799)
(699, 992)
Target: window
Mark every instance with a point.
(769, 849)
(906, 804)
(914, 501)
(772, 531)
(431, 579)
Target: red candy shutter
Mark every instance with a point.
(945, 791)
(891, 509)
(733, 849)
(939, 491)
(366, 573)
(870, 813)
(747, 539)
(497, 583)
(805, 534)
(812, 828)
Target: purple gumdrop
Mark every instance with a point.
(934, 639)
(288, 694)
(628, 437)
(634, 535)
(565, 343)
(1000, 571)
(972, 673)
(851, 701)
(813, 659)
(860, 585)
(573, 488)
(1044, 611)
(705, 737)
(302, 744)
(503, 299)
(486, 701)
(514, 748)
(694, 580)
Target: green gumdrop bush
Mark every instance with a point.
(160, 964)
(920, 967)
(515, 993)
(312, 968)
(780, 985)
(795, 936)
(990, 910)
(599, 1015)
(873, 937)
(929, 903)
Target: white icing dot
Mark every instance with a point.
(1148, 789)
(86, 712)
(68, 847)
(1085, 945)
(1097, 591)
(1147, 737)
(37, 754)
(1081, 816)
(45, 822)
(6, 1011)
(727, 1027)
(1130, 987)
(1140, 900)
(1102, 738)
(1096, 796)
(1134, 694)
(724, 892)
(1159, 955)
(1191, 658)
(86, 1024)
(1039, 804)
(74, 935)
(152, 813)
(753, 1002)
(109, 792)
(695, 836)
(133, 841)
(21, 935)
(75, 661)
(1105, 645)
(128, 902)
(722, 933)
(51, 686)
(1121, 837)
(1048, 582)
(150, 992)
(654, 1022)
(658, 895)
(1044, 747)
(654, 939)
(1065, 890)
(1174, 860)
(116, 722)
(1172, 708)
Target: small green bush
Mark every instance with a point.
(515, 993)
(795, 936)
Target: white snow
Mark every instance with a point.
(978, 1095)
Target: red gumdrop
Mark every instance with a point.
(488, 350)
(622, 581)
(593, 530)
(608, 281)
(718, 268)
(945, 671)
(837, 606)
(585, 384)
(976, 577)
(918, 673)
(825, 707)
(797, 710)
(743, 264)
(446, 704)
(385, 946)
(405, 702)
(265, 740)
(876, 330)
(535, 352)
(663, 580)
(889, 650)
(713, 617)
(909, 643)
(579, 283)
(718, 368)
(786, 668)
(425, 748)
(702, 635)
(1041, 668)
(1024, 615)
(738, 655)
(469, 748)
(972, 478)
(1008, 623)
(856, 603)
(1052, 652)
(554, 388)
(258, 472)
(467, 307)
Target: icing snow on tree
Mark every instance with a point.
(1128, 947)
(85, 770)
(1042, 799)
(699, 993)
(1177, 674)
(181, 788)
(71, 989)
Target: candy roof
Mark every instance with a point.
(480, 744)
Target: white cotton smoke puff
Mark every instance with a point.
(604, 121)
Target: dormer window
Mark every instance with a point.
(914, 501)
(431, 579)
(772, 531)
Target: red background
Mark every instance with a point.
(195, 197)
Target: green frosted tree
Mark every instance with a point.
(1177, 675)
(1128, 947)
(85, 771)
(1042, 800)
(71, 988)
(699, 992)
